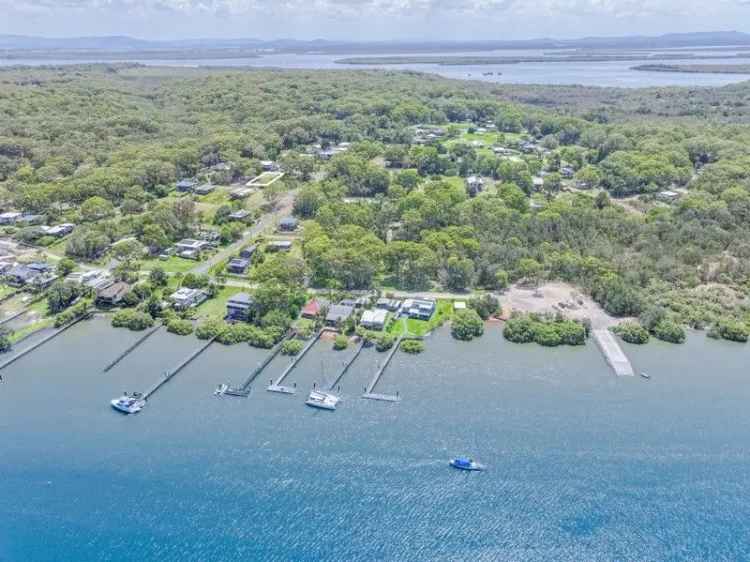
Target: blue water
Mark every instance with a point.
(582, 465)
(609, 74)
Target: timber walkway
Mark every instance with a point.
(132, 348)
(346, 366)
(278, 384)
(369, 394)
(41, 342)
(169, 375)
(243, 391)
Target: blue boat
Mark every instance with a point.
(465, 463)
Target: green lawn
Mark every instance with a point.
(420, 327)
(173, 265)
(217, 306)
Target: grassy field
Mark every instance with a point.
(217, 307)
(420, 328)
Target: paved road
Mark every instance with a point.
(267, 222)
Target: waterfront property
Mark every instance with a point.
(185, 298)
(240, 307)
(112, 295)
(312, 309)
(374, 319)
(419, 309)
(338, 314)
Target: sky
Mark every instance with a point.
(369, 19)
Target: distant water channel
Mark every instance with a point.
(582, 465)
(610, 73)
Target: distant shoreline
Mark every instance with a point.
(695, 68)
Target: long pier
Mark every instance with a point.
(613, 353)
(347, 365)
(369, 394)
(132, 348)
(277, 385)
(169, 375)
(243, 391)
(40, 343)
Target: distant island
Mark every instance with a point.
(696, 68)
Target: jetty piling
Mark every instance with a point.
(346, 367)
(613, 353)
(369, 394)
(277, 385)
(169, 375)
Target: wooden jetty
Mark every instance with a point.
(40, 343)
(169, 375)
(346, 366)
(243, 391)
(369, 394)
(278, 384)
(132, 348)
(613, 353)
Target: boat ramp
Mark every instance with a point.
(613, 353)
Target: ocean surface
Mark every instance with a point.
(612, 73)
(581, 465)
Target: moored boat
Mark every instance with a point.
(645, 375)
(322, 400)
(129, 403)
(465, 463)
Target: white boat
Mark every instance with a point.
(221, 390)
(129, 404)
(645, 375)
(322, 400)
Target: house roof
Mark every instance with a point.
(377, 316)
(312, 308)
(339, 312)
(242, 299)
(114, 290)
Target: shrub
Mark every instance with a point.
(209, 329)
(733, 331)
(132, 319)
(670, 331)
(467, 325)
(412, 346)
(384, 342)
(76, 311)
(180, 327)
(546, 331)
(486, 306)
(632, 332)
(341, 342)
(291, 347)
(305, 328)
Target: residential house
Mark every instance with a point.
(238, 266)
(668, 196)
(474, 185)
(248, 252)
(113, 294)
(30, 220)
(567, 172)
(185, 298)
(240, 307)
(9, 218)
(240, 193)
(59, 230)
(20, 275)
(391, 305)
(279, 246)
(186, 186)
(288, 224)
(338, 313)
(311, 310)
(269, 166)
(419, 309)
(239, 215)
(374, 319)
(204, 189)
(190, 249)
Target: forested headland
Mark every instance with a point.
(640, 198)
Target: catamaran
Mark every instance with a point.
(129, 403)
(322, 400)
